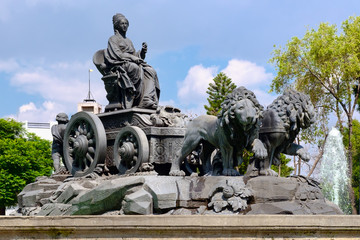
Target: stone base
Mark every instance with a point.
(150, 194)
(181, 227)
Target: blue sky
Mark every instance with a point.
(47, 47)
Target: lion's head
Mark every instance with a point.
(295, 110)
(240, 110)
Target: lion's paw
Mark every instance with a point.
(259, 149)
(177, 173)
(230, 172)
(268, 172)
(303, 154)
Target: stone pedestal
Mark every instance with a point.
(181, 227)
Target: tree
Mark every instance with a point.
(217, 91)
(326, 65)
(23, 157)
(356, 156)
(283, 170)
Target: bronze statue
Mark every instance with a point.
(129, 80)
(57, 132)
(282, 122)
(235, 129)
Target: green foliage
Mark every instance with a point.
(246, 159)
(217, 91)
(355, 139)
(23, 157)
(325, 64)
(285, 170)
(9, 128)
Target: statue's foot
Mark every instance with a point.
(268, 172)
(259, 149)
(230, 172)
(177, 173)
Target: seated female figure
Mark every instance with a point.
(136, 78)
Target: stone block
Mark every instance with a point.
(70, 192)
(31, 198)
(105, 197)
(90, 184)
(323, 207)
(139, 202)
(54, 209)
(272, 189)
(163, 191)
(48, 185)
(201, 188)
(291, 208)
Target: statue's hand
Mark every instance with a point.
(144, 47)
(137, 60)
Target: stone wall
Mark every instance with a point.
(180, 227)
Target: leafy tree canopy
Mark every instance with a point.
(221, 86)
(325, 64)
(283, 168)
(23, 157)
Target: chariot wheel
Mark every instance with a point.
(131, 148)
(84, 143)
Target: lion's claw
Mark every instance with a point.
(259, 149)
(303, 154)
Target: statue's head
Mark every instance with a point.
(120, 22)
(62, 118)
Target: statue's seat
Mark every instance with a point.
(99, 61)
(118, 97)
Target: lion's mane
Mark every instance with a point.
(292, 107)
(227, 116)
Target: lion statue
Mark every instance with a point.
(281, 123)
(234, 129)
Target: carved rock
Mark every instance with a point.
(149, 194)
(140, 202)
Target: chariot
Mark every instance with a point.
(123, 141)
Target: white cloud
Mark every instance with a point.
(193, 88)
(9, 65)
(247, 74)
(27, 107)
(60, 86)
(44, 113)
(192, 91)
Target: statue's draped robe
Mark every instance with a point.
(139, 79)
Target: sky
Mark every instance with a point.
(47, 47)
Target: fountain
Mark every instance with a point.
(334, 172)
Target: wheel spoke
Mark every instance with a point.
(89, 158)
(91, 150)
(81, 131)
